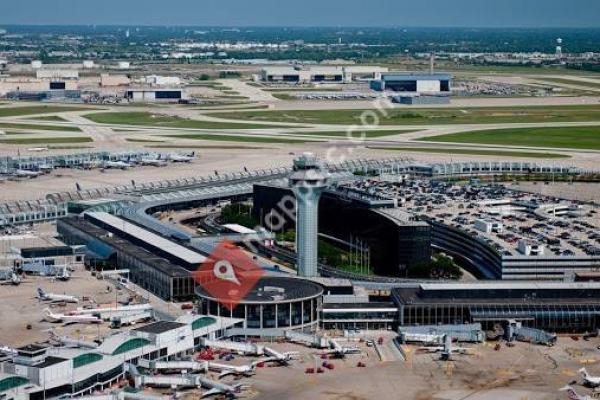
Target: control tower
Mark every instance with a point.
(308, 182)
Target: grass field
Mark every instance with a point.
(32, 110)
(47, 140)
(474, 152)
(587, 138)
(565, 81)
(7, 125)
(428, 116)
(145, 118)
(243, 139)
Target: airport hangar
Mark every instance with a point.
(411, 89)
(320, 74)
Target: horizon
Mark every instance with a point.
(334, 13)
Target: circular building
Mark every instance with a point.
(273, 303)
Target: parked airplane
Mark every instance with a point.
(55, 298)
(9, 277)
(70, 319)
(23, 173)
(589, 380)
(38, 149)
(224, 369)
(572, 394)
(181, 157)
(154, 162)
(339, 351)
(216, 388)
(281, 358)
(116, 165)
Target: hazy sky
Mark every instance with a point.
(478, 13)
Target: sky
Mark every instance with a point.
(423, 13)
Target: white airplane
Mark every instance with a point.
(589, 380)
(9, 277)
(23, 173)
(181, 157)
(154, 162)
(572, 394)
(70, 319)
(216, 388)
(281, 358)
(55, 298)
(136, 308)
(116, 165)
(224, 369)
(38, 149)
(339, 351)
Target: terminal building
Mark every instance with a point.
(273, 304)
(555, 307)
(394, 240)
(157, 264)
(36, 372)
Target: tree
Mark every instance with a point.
(441, 267)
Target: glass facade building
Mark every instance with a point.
(274, 303)
(555, 307)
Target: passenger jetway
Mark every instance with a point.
(448, 349)
(179, 366)
(116, 272)
(250, 349)
(422, 338)
(69, 342)
(319, 342)
(118, 321)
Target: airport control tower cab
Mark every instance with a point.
(308, 182)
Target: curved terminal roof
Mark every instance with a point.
(275, 289)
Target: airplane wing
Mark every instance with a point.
(212, 392)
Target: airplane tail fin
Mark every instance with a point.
(583, 372)
(41, 293)
(47, 313)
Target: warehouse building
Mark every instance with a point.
(156, 95)
(320, 74)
